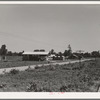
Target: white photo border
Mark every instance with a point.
(48, 95)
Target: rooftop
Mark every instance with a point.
(35, 53)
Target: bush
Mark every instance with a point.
(69, 88)
(32, 87)
(63, 89)
(14, 71)
(37, 67)
(44, 90)
(51, 67)
(66, 68)
(2, 85)
(29, 69)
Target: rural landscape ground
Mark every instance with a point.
(72, 77)
(49, 47)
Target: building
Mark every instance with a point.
(35, 56)
(51, 57)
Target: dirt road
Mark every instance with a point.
(23, 68)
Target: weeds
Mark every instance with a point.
(29, 69)
(63, 89)
(51, 77)
(32, 87)
(37, 67)
(14, 71)
(52, 67)
(2, 85)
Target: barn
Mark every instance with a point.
(35, 56)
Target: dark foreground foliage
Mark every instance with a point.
(14, 71)
(84, 77)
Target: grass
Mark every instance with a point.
(53, 78)
(9, 64)
(18, 62)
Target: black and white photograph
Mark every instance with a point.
(50, 48)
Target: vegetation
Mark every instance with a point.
(77, 77)
(18, 63)
(54, 78)
(3, 50)
(14, 71)
(59, 56)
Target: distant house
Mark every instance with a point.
(35, 56)
(56, 57)
(51, 57)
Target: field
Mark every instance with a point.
(16, 61)
(77, 77)
(19, 63)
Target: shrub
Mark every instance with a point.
(57, 65)
(14, 71)
(29, 69)
(37, 67)
(32, 87)
(65, 64)
(51, 67)
(2, 85)
(80, 67)
(44, 90)
(63, 89)
(66, 68)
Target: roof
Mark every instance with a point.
(35, 53)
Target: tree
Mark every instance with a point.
(86, 54)
(3, 50)
(15, 54)
(95, 54)
(20, 53)
(52, 51)
(37, 50)
(9, 53)
(65, 53)
(60, 54)
(69, 48)
(69, 51)
(42, 50)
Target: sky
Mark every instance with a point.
(36, 26)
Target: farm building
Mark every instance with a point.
(35, 56)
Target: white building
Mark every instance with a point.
(35, 56)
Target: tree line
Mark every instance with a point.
(4, 51)
(70, 54)
(66, 53)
